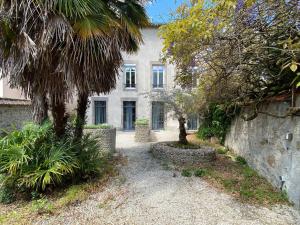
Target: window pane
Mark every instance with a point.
(161, 78)
(154, 79)
(100, 112)
(158, 76)
(133, 78)
(158, 115)
(130, 76)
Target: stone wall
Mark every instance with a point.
(13, 114)
(142, 133)
(271, 146)
(181, 156)
(106, 138)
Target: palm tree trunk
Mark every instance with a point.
(58, 110)
(182, 131)
(40, 108)
(82, 104)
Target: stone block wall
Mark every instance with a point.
(142, 133)
(271, 146)
(14, 116)
(106, 139)
(181, 156)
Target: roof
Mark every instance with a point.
(11, 101)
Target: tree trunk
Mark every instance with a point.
(82, 104)
(182, 131)
(59, 118)
(40, 108)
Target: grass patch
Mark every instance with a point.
(232, 174)
(186, 173)
(200, 172)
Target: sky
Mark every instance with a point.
(159, 11)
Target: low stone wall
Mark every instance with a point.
(142, 133)
(182, 156)
(14, 113)
(270, 145)
(106, 138)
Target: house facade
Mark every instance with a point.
(141, 73)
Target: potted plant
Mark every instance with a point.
(142, 130)
(106, 134)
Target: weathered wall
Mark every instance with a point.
(14, 116)
(265, 144)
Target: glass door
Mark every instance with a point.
(100, 112)
(158, 115)
(129, 115)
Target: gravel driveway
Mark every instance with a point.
(146, 194)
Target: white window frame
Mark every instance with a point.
(126, 66)
(157, 78)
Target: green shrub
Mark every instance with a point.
(222, 150)
(99, 126)
(216, 122)
(241, 160)
(142, 121)
(186, 173)
(200, 172)
(7, 194)
(33, 159)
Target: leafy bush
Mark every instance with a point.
(222, 150)
(200, 172)
(216, 123)
(241, 160)
(186, 173)
(142, 121)
(99, 126)
(33, 159)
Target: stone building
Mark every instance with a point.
(141, 73)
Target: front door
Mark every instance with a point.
(129, 115)
(158, 115)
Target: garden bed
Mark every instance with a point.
(187, 154)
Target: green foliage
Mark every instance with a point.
(41, 206)
(215, 123)
(241, 160)
(236, 50)
(142, 121)
(186, 173)
(33, 159)
(99, 126)
(200, 172)
(7, 195)
(222, 150)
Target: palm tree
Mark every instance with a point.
(50, 48)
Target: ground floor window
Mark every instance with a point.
(129, 115)
(100, 112)
(192, 122)
(158, 115)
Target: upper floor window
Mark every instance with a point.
(130, 76)
(158, 76)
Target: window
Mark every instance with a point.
(192, 123)
(100, 112)
(130, 76)
(158, 115)
(158, 76)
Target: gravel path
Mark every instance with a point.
(146, 194)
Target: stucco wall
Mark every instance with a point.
(148, 54)
(14, 116)
(264, 142)
(7, 92)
